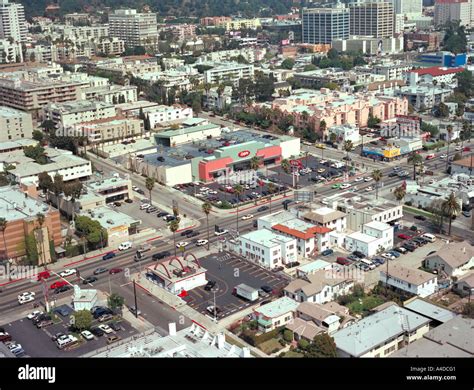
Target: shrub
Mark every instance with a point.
(303, 343)
(288, 335)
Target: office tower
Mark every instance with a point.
(136, 29)
(372, 19)
(323, 25)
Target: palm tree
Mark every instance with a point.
(348, 146)
(149, 184)
(415, 159)
(254, 165)
(41, 218)
(271, 189)
(451, 208)
(174, 226)
(449, 129)
(285, 165)
(238, 190)
(3, 227)
(377, 176)
(399, 193)
(206, 208)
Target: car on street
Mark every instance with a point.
(336, 186)
(201, 242)
(221, 232)
(62, 289)
(186, 232)
(67, 272)
(58, 284)
(368, 189)
(262, 209)
(25, 299)
(87, 335)
(108, 256)
(214, 310)
(125, 245)
(134, 311)
(114, 271)
(182, 244)
(247, 216)
(368, 178)
(210, 285)
(100, 270)
(420, 217)
(160, 255)
(89, 279)
(443, 156)
(34, 314)
(345, 185)
(358, 179)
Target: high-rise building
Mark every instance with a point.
(408, 8)
(454, 10)
(372, 19)
(323, 25)
(136, 29)
(12, 21)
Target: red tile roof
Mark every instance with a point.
(436, 71)
(304, 235)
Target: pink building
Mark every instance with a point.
(310, 108)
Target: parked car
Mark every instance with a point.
(327, 252)
(359, 254)
(87, 335)
(113, 339)
(89, 279)
(105, 317)
(420, 217)
(267, 289)
(125, 245)
(97, 332)
(100, 270)
(404, 236)
(343, 261)
(115, 326)
(210, 285)
(108, 256)
(68, 272)
(34, 314)
(394, 253)
(106, 329)
(400, 250)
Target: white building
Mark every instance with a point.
(434, 75)
(408, 8)
(84, 299)
(12, 21)
(410, 280)
(15, 124)
(275, 314)
(166, 114)
(453, 10)
(267, 248)
(10, 52)
(374, 238)
(229, 71)
(111, 94)
(346, 133)
(327, 217)
(109, 46)
(136, 29)
(392, 71)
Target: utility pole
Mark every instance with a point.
(215, 308)
(135, 297)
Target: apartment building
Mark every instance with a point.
(239, 24)
(323, 25)
(111, 94)
(12, 21)
(392, 71)
(10, 51)
(267, 248)
(327, 218)
(71, 113)
(15, 124)
(215, 20)
(374, 19)
(228, 71)
(409, 280)
(454, 10)
(168, 114)
(136, 29)
(110, 129)
(375, 237)
(109, 46)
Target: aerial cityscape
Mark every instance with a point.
(236, 179)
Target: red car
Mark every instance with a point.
(43, 275)
(59, 283)
(342, 261)
(115, 271)
(404, 236)
(466, 149)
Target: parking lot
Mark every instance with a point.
(38, 343)
(218, 193)
(229, 270)
(148, 219)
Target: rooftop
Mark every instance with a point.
(455, 254)
(278, 308)
(175, 269)
(16, 205)
(324, 215)
(409, 275)
(266, 237)
(78, 106)
(314, 266)
(110, 218)
(376, 329)
(436, 71)
(429, 309)
(377, 225)
(359, 236)
(304, 328)
(7, 112)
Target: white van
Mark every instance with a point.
(370, 264)
(125, 245)
(65, 340)
(429, 237)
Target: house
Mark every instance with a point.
(320, 287)
(320, 316)
(328, 218)
(465, 285)
(409, 280)
(275, 314)
(436, 313)
(453, 259)
(454, 338)
(375, 237)
(304, 329)
(312, 267)
(381, 334)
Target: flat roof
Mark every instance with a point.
(8, 112)
(313, 266)
(374, 330)
(15, 205)
(185, 130)
(266, 238)
(377, 225)
(278, 308)
(109, 218)
(106, 183)
(429, 309)
(359, 236)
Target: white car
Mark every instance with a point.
(323, 161)
(26, 294)
(458, 148)
(345, 185)
(321, 170)
(368, 178)
(105, 328)
(87, 335)
(67, 272)
(144, 206)
(222, 232)
(358, 179)
(201, 242)
(182, 244)
(369, 188)
(443, 156)
(388, 256)
(247, 216)
(125, 245)
(26, 299)
(34, 314)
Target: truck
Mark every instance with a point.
(246, 292)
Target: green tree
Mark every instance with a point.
(285, 165)
(465, 83)
(415, 159)
(442, 110)
(82, 320)
(38, 135)
(373, 121)
(206, 209)
(323, 346)
(31, 249)
(271, 189)
(238, 190)
(115, 301)
(377, 176)
(288, 335)
(451, 208)
(150, 184)
(399, 193)
(91, 230)
(3, 227)
(174, 227)
(287, 63)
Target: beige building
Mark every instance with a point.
(109, 46)
(136, 29)
(110, 129)
(14, 124)
(372, 19)
(238, 24)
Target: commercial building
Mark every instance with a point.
(374, 19)
(453, 10)
(453, 259)
(21, 214)
(163, 115)
(230, 72)
(111, 94)
(374, 238)
(267, 248)
(12, 21)
(275, 314)
(370, 45)
(323, 25)
(239, 24)
(110, 129)
(72, 113)
(381, 334)
(178, 275)
(409, 280)
(443, 59)
(135, 29)
(215, 20)
(15, 124)
(319, 287)
(408, 8)
(430, 41)
(392, 71)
